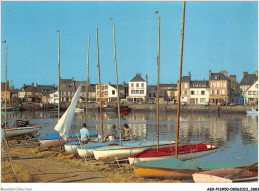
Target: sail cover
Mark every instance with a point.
(64, 123)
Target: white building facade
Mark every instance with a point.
(199, 92)
(137, 89)
(251, 94)
(54, 98)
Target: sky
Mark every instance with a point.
(218, 36)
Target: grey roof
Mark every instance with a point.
(46, 87)
(168, 85)
(217, 76)
(120, 87)
(248, 79)
(137, 78)
(199, 84)
(185, 79)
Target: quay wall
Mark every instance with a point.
(153, 107)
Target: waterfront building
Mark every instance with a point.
(137, 89)
(170, 91)
(30, 93)
(46, 90)
(246, 82)
(104, 93)
(185, 89)
(112, 92)
(151, 93)
(219, 88)
(5, 95)
(199, 92)
(251, 94)
(53, 98)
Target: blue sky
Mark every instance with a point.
(218, 36)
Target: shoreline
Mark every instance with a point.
(152, 107)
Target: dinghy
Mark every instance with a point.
(228, 175)
(52, 140)
(185, 152)
(177, 169)
(123, 151)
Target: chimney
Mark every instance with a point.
(53, 85)
(256, 73)
(146, 79)
(245, 73)
(209, 74)
(35, 84)
(189, 74)
(139, 74)
(224, 73)
(72, 79)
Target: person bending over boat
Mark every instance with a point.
(84, 134)
(111, 134)
(127, 132)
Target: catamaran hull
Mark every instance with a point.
(71, 148)
(163, 173)
(55, 142)
(85, 152)
(20, 131)
(117, 153)
(185, 156)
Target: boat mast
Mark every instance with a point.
(59, 78)
(101, 117)
(118, 98)
(3, 137)
(5, 88)
(158, 79)
(61, 148)
(87, 78)
(179, 84)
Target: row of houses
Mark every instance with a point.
(220, 89)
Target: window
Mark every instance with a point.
(256, 85)
(132, 84)
(217, 84)
(106, 87)
(213, 84)
(192, 92)
(202, 92)
(142, 84)
(223, 92)
(212, 92)
(202, 100)
(185, 92)
(249, 92)
(218, 92)
(137, 84)
(186, 85)
(141, 91)
(113, 92)
(224, 85)
(132, 91)
(106, 92)
(137, 91)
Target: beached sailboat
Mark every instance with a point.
(62, 127)
(122, 151)
(228, 175)
(188, 151)
(177, 169)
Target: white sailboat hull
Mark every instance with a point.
(55, 142)
(117, 153)
(183, 157)
(71, 148)
(14, 132)
(124, 151)
(85, 152)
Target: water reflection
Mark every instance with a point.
(228, 131)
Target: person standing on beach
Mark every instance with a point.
(84, 135)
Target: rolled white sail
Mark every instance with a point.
(64, 123)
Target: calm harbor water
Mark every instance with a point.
(235, 134)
